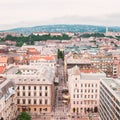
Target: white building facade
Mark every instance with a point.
(109, 99)
(8, 101)
(84, 90)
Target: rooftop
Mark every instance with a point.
(41, 57)
(91, 70)
(114, 85)
(3, 59)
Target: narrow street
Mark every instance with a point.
(61, 110)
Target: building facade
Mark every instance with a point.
(35, 93)
(109, 99)
(8, 100)
(83, 87)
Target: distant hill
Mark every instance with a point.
(63, 28)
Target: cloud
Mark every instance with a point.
(106, 20)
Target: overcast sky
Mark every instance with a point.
(20, 13)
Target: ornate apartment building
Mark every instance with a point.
(8, 99)
(35, 93)
(83, 87)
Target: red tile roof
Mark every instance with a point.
(3, 59)
(41, 57)
(89, 70)
(2, 69)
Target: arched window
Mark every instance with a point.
(74, 110)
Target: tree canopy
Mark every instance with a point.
(31, 38)
(60, 54)
(24, 116)
(86, 35)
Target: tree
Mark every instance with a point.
(86, 35)
(60, 54)
(24, 116)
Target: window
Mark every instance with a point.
(46, 101)
(23, 87)
(18, 101)
(46, 94)
(23, 93)
(77, 96)
(40, 94)
(18, 93)
(73, 102)
(24, 101)
(40, 101)
(92, 90)
(34, 87)
(18, 87)
(75, 85)
(34, 101)
(40, 109)
(34, 109)
(29, 94)
(45, 87)
(29, 101)
(29, 87)
(45, 109)
(75, 78)
(40, 87)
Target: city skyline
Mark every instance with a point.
(30, 13)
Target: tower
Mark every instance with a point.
(106, 30)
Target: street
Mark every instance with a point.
(61, 109)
